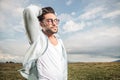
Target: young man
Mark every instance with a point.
(46, 58)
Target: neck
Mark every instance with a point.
(49, 35)
(51, 38)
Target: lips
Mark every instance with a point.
(54, 27)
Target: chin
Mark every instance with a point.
(55, 31)
(52, 31)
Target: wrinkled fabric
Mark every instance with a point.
(38, 44)
(52, 61)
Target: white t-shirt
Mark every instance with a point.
(51, 64)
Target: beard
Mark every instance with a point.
(51, 29)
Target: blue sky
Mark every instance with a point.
(90, 29)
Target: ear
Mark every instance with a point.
(41, 24)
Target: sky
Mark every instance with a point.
(90, 29)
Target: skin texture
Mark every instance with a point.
(49, 28)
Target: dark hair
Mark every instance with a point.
(45, 11)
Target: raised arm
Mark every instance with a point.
(31, 22)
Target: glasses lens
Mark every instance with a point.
(51, 21)
(56, 21)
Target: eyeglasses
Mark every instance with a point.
(51, 21)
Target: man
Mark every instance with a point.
(46, 58)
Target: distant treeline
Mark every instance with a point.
(9, 62)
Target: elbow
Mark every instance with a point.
(32, 10)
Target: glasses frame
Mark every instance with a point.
(51, 21)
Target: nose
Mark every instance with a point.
(54, 23)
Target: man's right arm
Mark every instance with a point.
(31, 22)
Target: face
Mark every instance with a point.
(50, 23)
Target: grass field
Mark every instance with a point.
(76, 71)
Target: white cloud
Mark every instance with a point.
(18, 12)
(73, 13)
(88, 58)
(9, 57)
(112, 14)
(2, 22)
(14, 46)
(69, 2)
(65, 17)
(19, 27)
(92, 13)
(11, 13)
(72, 26)
(11, 6)
(94, 39)
(13, 50)
(118, 3)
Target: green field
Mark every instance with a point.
(77, 71)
